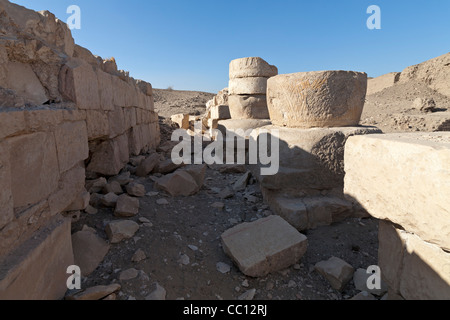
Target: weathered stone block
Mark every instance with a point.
(220, 112)
(264, 246)
(396, 177)
(317, 99)
(97, 124)
(43, 120)
(251, 67)
(34, 168)
(257, 85)
(110, 156)
(182, 120)
(89, 250)
(6, 199)
(248, 107)
(116, 122)
(11, 123)
(37, 269)
(72, 144)
(106, 90)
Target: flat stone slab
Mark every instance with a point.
(264, 246)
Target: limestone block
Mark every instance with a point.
(78, 83)
(43, 120)
(317, 99)
(34, 167)
(403, 178)
(256, 86)
(97, 123)
(136, 140)
(119, 92)
(110, 156)
(6, 199)
(220, 112)
(11, 123)
(336, 271)
(72, 144)
(89, 250)
(73, 115)
(181, 119)
(117, 124)
(251, 67)
(179, 183)
(264, 246)
(21, 78)
(248, 107)
(37, 269)
(145, 87)
(106, 90)
(130, 117)
(121, 230)
(69, 187)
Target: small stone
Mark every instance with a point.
(91, 210)
(123, 179)
(218, 205)
(297, 267)
(162, 201)
(137, 160)
(184, 260)
(159, 293)
(245, 284)
(152, 194)
(223, 267)
(270, 285)
(97, 185)
(192, 247)
(129, 274)
(89, 229)
(292, 284)
(144, 220)
(111, 297)
(126, 206)
(136, 189)
(121, 230)
(138, 256)
(226, 193)
(148, 224)
(336, 271)
(242, 182)
(147, 165)
(110, 200)
(114, 187)
(248, 295)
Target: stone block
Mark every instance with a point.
(72, 144)
(12, 123)
(97, 123)
(106, 90)
(251, 67)
(248, 107)
(220, 112)
(116, 122)
(254, 86)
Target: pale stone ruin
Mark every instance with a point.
(70, 122)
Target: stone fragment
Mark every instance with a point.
(248, 107)
(126, 206)
(336, 271)
(167, 166)
(242, 182)
(128, 274)
(226, 193)
(182, 120)
(162, 202)
(159, 293)
(89, 250)
(81, 202)
(248, 295)
(96, 186)
(425, 104)
(138, 256)
(179, 183)
(233, 168)
(114, 187)
(223, 267)
(136, 189)
(220, 112)
(110, 200)
(251, 67)
(121, 230)
(147, 166)
(264, 246)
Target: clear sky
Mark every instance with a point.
(188, 44)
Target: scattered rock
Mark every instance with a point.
(111, 297)
(96, 186)
(218, 205)
(179, 183)
(144, 220)
(121, 230)
(184, 260)
(292, 284)
(223, 267)
(110, 200)
(89, 250)
(162, 201)
(425, 104)
(147, 166)
(94, 293)
(226, 193)
(123, 179)
(198, 173)
(91, 210)
(336, 271)
(264, 246)
(245, 283)
(159, 293)
(128, 274)
(242, 182)
(192, 247)
(167, 166)
(136, 189)
(137, 160)
(248, 295)
(139, 256)
(126, 206)
(114, 187)
(152, 194)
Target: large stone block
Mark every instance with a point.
(251, 67)
(317, 99)
(116, 122)
(404, 178)
(11, 123)
(413, 268)
(248, 107)
(37, 269)
(70, 186)
(6, 199)
(221, 112)
(97, 124)
(72, 144)
(256, 86)
(264, 246)
(110, 156)
(78, 83)
(129, 117)
(43, 120)
(106, 90)
(21, 78)
(34, 168)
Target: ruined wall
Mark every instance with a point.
(404, 180)
(62, 110)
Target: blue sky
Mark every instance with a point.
(188, 44)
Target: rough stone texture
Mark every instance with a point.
(264, 246)
(11, 123)
(159, 293)
(34, 160)
(136, 189)
(147, 166)
(121, 230)
(179, 183)
(89, 250)
(413, 268)
(94, 293)
(220, 112)
(71, 143)
(6, 198)
(81, 201)
(198, 172)
(317, 99)
(109, 200)
(110, 156)
(251, 67)
(252, 86)
(97, 124)
(336, 271)
(406, 170)
(433, 72)
(382, 82)
(37, 269)
(21, 78)
(248, 107)
(182, 120)
(126, 206)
